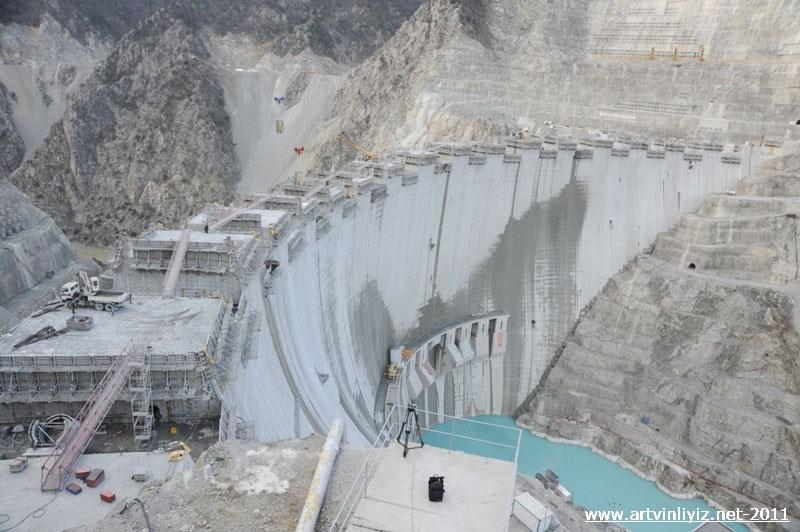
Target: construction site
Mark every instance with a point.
(483, 276)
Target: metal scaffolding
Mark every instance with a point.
(141, 399)
(74, 440)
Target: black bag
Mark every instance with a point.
(435, 488)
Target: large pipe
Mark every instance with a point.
(319, 484)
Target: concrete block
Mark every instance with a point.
(108, 496)
(74, 488)
(18, 465)
(95, 477)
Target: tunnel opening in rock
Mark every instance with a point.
(692, 266)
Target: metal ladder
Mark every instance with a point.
(141, 399)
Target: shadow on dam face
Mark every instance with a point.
(371, 309)
(531, 274)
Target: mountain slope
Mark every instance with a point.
(11, 146)
(465, 70)
(145, 138)
(33, 256)
(148, 137)
(385, 100)
(686, 366)
(84, 20)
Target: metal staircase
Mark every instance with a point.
(141, 399)
(74, 440)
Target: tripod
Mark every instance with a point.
(410, 424)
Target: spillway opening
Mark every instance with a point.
(692, 266)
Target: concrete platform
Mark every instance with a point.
(171, 325)
(173, 235)
(20, 494)
(478, 493)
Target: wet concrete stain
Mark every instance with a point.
(533, 264)
(373, 330)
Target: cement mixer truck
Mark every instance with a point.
(86, 292)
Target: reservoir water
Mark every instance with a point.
(596, 483)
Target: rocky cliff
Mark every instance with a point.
(466, 70)
(49, 47)
(346, 31)
(686, 365)
(33, 250)
(86, 20)
(146, 138)
(11, 145)
(379, 104)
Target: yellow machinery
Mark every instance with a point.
(392, 371)
(367, 154)
(177, 450)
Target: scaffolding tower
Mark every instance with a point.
(141, 400)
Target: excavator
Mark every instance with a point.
(368, 155)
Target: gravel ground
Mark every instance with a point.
(239, 486)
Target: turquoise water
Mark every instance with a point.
(595, 482)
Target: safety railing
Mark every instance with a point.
(23, 313)
(402, 419)
(138, 243)
(463, 430)
(73, 363)
(359, 486)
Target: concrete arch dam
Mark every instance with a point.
(528, 232)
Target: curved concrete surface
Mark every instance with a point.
(533, 234)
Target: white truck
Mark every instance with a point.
(86, 292)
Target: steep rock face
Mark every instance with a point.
(346, 31)
(85, 20)
(638, 67)
(11, 147)
(378, 104)
(686, 366)
(49, 47)
(145, 138)
(32, 249)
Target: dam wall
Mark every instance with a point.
(530, 231)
